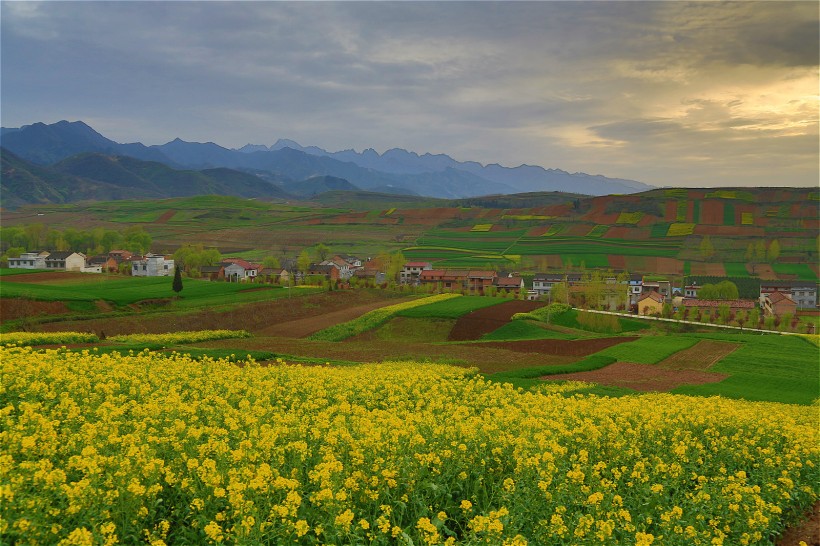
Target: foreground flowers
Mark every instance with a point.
(147, 448)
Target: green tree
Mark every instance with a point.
(322, 250)
(271, 262)
(773, 252)
(707, 249)
(303, 261)
(176, 285)
(136, 239)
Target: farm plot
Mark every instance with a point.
(483, 321)
(451, 308)
(641, 377)
(701, 356)
(560, 347)
(488, 452)
(649, 349)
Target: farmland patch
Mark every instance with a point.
(642, 377)
(483, 321)
(702, 356)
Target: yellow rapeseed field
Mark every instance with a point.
(108, 449)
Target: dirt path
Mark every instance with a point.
(701, 356)
(483, 321)
(807, 531)
(305, 327)
(642, 377)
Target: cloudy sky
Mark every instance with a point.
(667, 93)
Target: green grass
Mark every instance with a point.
(765, 368)
(736, 269)
(728, 214)
(522, 329)
(451, 309)
(649, 349)
(804, 272)
(123, 290)
(8, 271)
(569, 319)
(528, 377)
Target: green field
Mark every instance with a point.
(649, 349)
(450, 309)
(522, 329)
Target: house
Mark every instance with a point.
(803, 293)
(477, 281)
(239, 270)
(352, 261)
(691, 290)
(651, 303)
(327, 271)
(344, 267)
(212, 272)
(778, 304)
(369, 276)
(510, 284)
(29, 260)
(152, 265)
(450, 279)
(543, 283)
(634, 288)
(411, 272)
(104, 262)
(662, 287)
(65, 261)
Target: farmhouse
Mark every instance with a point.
(452, 279)
(212, 272)
(327, 271)
(412, 271)
(778, 304)
(477, 281)
(650, 303)
(29, 260)
(543, 282)
(803, 293)
(237, 269)
(65, 261)
(511, 284)
(152, 265)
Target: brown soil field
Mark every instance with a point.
(44, 277)
(578, 230)
(255, 317)
(617, 262)
(764, 271)
(537, 231)
(626, 232)
(665, 266)
(702, 356)
(483, 321)
(711, 212)
(15, 308)
(641, 377)
(728, 231)
(560, 347)
(671, 212)
(167, 215)
(712, 270)
(807, 531)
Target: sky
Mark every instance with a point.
(668, 93)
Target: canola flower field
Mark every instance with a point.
(159, 449)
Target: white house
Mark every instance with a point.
(543, 282)
(411, 273)
(65, 261)
(237, 269)
(152, 265)
(29, 260)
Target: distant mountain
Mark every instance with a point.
(395, 171)
(317, 185)
(102, 177)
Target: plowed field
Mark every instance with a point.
(642, 377)
(483, 321)
(701, 356)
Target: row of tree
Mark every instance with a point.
(14, 240)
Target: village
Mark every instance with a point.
(778, 302)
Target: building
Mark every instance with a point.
(634, 288)
(543, 282)
(448, 279)
(713, 305)
(412, 271)
(65, 261)
(239, 270)
(691, 290)
(651, 303)
(477, 281)
(152, 265)
(29, 260)
(510, 284)
(803, 293)
(778, 304)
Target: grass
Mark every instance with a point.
(649, 349)
(734, 269)
(123, 290)
(416, 330)
(764, 368)
(804, 272)
(528, 377)
(629, 218)
(569, 319)
(451, 309)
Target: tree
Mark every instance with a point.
(322, 250)
(136, 239)
(773, 252)
(271, 262)
(303, 261)
(707, 249)
(724, 290)
(177, 284)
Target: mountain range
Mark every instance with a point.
(55, 153)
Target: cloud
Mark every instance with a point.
(583, 86)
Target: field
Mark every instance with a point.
(211, 452)
(593, 231)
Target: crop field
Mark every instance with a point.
(649, 349)
(521, 329)
(451, 308)
(211, 452)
